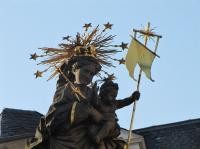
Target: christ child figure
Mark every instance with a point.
(107, 105)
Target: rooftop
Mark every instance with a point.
(179, 135)
(17, 124)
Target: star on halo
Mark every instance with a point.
(66, 37)
(86, 26)
(124, 45)
(122, 61)
(38, 74)
(34, 56)
(107, 26)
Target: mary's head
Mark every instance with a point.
(80, 70)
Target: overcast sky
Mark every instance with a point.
(174, 96)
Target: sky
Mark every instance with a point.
(174, 96)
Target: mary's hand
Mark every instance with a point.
(95, 89)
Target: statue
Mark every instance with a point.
(106, 105)
(80, 117)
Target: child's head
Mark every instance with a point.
(108, 91)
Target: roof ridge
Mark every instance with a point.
(13, 109)
(169, 125)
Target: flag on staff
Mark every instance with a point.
(141, 55)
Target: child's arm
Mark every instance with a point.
(127, 101)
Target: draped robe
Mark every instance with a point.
(57, 131)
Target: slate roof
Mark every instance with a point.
(17, 124)
(180, 135)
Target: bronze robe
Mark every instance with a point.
(57, 131)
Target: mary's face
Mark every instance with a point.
(85, 74)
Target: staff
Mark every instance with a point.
(144, 59)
